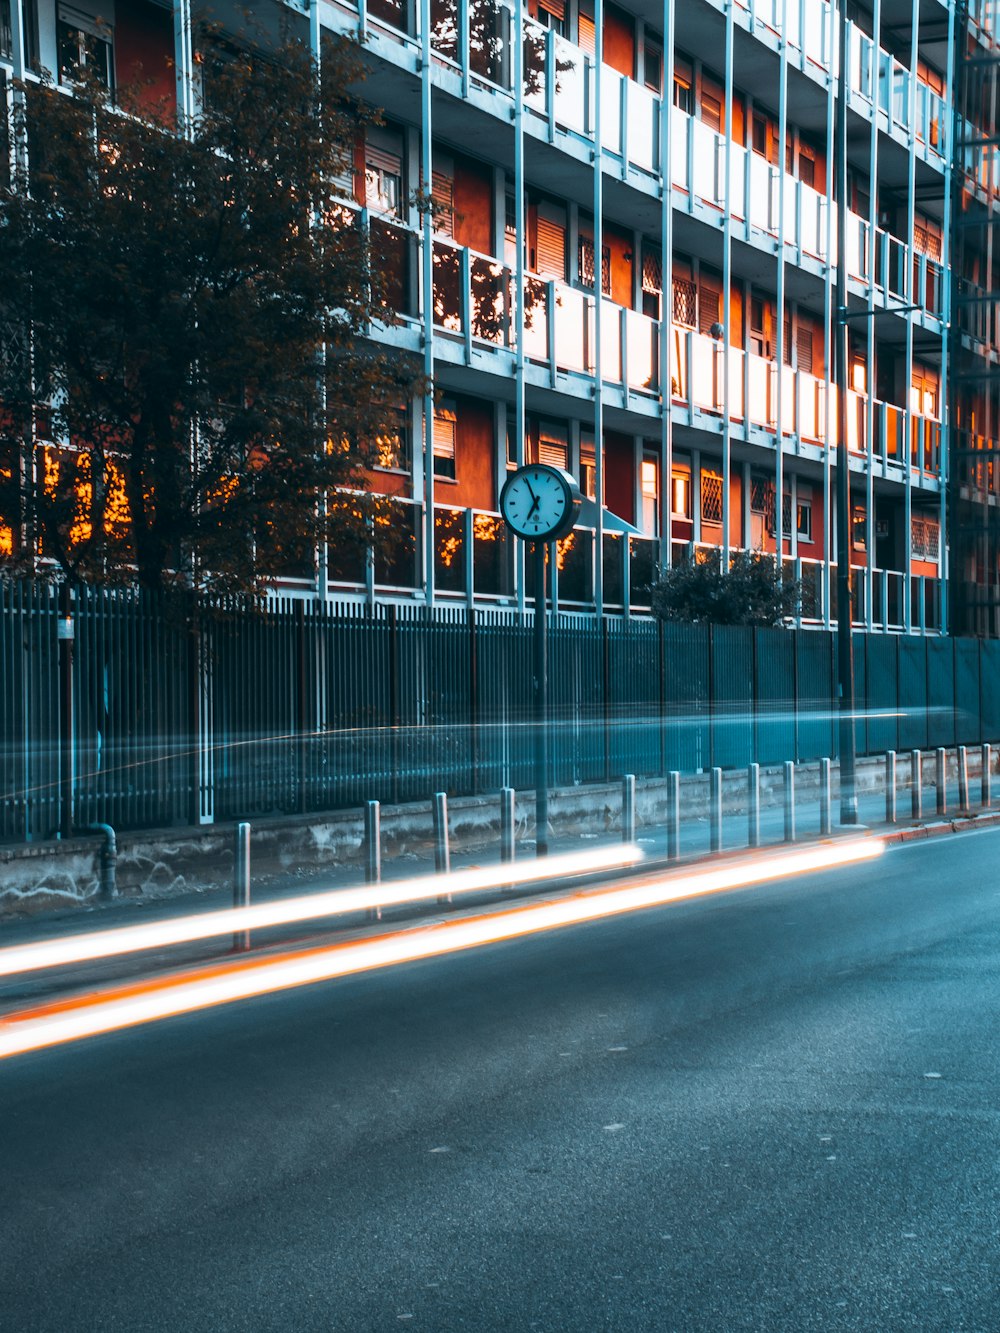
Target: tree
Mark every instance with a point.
(186, 310)
(752, 592)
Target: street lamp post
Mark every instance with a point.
(845, 618)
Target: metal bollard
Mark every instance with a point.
(890, 787)
(241, 883)
(825, 798)
(941, 779)
(753, 805)
(109, 861)
(715, 810)
(442, 851)
(963, 781)
(986, 794)
(373, 852)
(789, 801)
(673, 816)
(916, 786)
(506, 824)
(628, 808)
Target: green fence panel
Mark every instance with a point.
(685, 697)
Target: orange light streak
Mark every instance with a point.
(148, 1001)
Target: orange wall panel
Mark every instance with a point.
(474, 205)
(619, 41)
(619, 475)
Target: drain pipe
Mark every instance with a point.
(109, 860)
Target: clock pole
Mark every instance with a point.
(541, 706)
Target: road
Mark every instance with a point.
(774, 1109)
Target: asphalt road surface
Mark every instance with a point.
(777, 1109)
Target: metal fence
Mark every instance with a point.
(303, 707)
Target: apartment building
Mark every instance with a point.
(630, 271)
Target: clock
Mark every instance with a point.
(540, 503)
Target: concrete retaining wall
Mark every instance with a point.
(46, 876)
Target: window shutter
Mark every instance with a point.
(383, 161)
(786, 342)
(711, 112)
(443, 195)
(685, 302)
(587, 35)
(804, 348)
(550, 249)
(709, 305)
(557, 8)
(552, 451)
(444, 433)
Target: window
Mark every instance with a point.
(588, 464)
(383, 180)
(925, 537)
(709, 307)
(649, 492)
(804, 348)
(680, 494)
(392, 447)
(84, 43)
(711, 496)
(552, 14)
(445, 430)
(804, 520)
(685, 302)
(859, 536)
(586, 33)
(683, 88)
(585, 265)
(652, 71)
(652, 281)
(807, 166)
(760, 135)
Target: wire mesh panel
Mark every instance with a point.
(989, 692)
(968, 714)
(732, 695)
(685, 674)
(774, 658)
(29, 713)
(940, 692)
(882, 701)
(816, 714)
(633, 698)
(912, 693)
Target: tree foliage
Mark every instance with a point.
(752, 592)
(195, 306)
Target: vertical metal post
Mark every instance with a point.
(916, 786)
(628, 808)
(890, 787)
(963, 781)
(442, 850)
(941, 779)
(373, 851)
(825, 798)
(427, 230)
(241, 883)
(789, 801)
(506, 824)
(65, 630)
(845, 618)
(541, 709)
(984, 778)
(715, 810)
(673, 815)
(753, 805)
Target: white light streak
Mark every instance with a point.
(144, 1002)
(98, 944)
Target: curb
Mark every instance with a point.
(960, 824)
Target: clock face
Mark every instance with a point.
(539, 502)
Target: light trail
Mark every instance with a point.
(147, 1001)
(94, 945)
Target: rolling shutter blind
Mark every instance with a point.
(550, 252)
(587, 35)
(709, 306)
